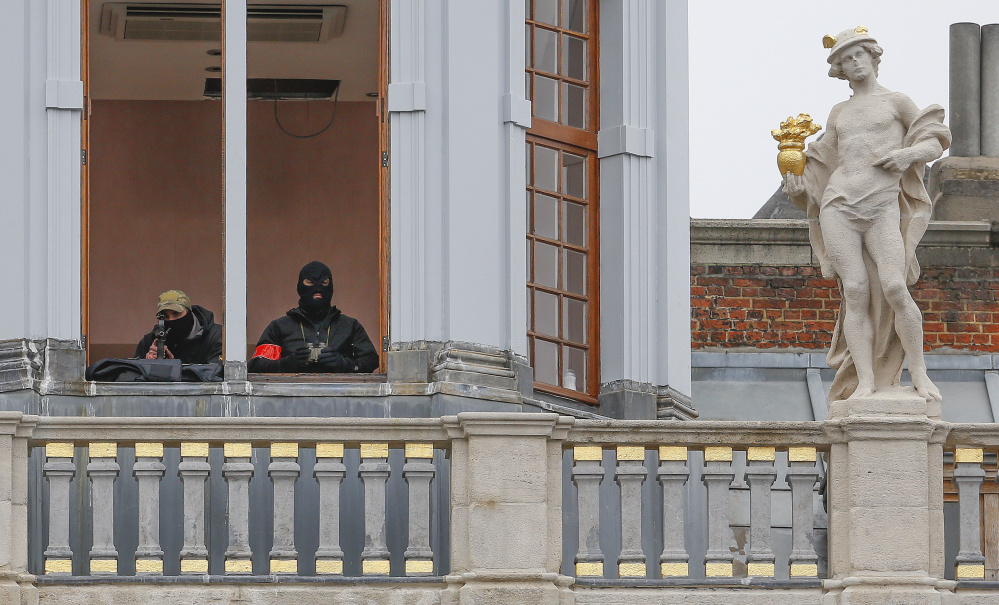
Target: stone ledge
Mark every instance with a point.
(234, 579)
(743, 583)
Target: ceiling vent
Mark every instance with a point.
(278, 89)
(203, 22)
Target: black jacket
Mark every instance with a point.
(284, 335)
(206, 348)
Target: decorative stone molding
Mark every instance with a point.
(674, 405)
(47, 365)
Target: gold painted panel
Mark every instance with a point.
(194, 449)
(419, 450)
(801, 454)
(419, 566)
(103, 449)
(969, 454)
(630, 452)
(718, 570)
(238, 565)
(804, 570)
(673, 570)
(589, 569)
(588, 452)
(672, 452)
(329, 450)
(148, 566)
(761, 454)
(375, 567)
(194, 565)
(148, 450)
(971, 571)
(58, 566)
(58, 449)
(764, 570)
(718, 454)
(284, 450)
(631, 570)
(284, 566)
(329, 567)
(374, 450)
(104, 565)
(237, 450)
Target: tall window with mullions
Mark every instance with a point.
(562, 189)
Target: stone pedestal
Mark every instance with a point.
(965, 188)
(506, 509)
(885, 501)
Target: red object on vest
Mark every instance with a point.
(268, 352)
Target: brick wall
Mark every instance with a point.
(793, 307)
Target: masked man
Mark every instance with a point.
(192, 335)
(315, 336)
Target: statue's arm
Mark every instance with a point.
(922, 152)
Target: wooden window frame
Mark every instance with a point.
(581, 142)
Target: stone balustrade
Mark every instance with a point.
(971, 470)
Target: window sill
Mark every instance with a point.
(315, 378)
(566, 393)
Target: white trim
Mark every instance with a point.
(624, 139)
(64, 94)
(407, 96)
(234, 127)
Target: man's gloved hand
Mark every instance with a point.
(296, 362)
(332, 361)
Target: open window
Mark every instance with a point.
(154, 177)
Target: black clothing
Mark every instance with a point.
(178, 329)
(317, 272)
(204, 347)
(283, 345)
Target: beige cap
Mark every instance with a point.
(846, 38)
(175, 300)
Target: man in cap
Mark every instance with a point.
(192, 335)
(314, 336)
(867, 209)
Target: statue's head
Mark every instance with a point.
(849, 39)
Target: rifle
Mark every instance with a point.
(159, 334)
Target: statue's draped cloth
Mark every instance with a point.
(914, 203)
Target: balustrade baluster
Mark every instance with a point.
(630, 475)
(284, 470)
(329, 472)
(968, 477)
(673, 474)
(587, 474)
(103, 469)
(237, 471)
(419, 471)
(801, 477)
(374, 471)
(717, 477)
(148, 470)
(760, 475)
(59, 470)
(193, 471)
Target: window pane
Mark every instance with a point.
(574, 224)
(546, 168)
(574, 376)
(574, 15)
(546, 11)
(546, 98)
(545, 362)
(546, 50)
(545, 265)
(574, 58)
(574, 320)
(573, 175)
(575, 272)
(574, 112)
(545, 216)
(527, 41)
(546, 313)
(530, 307)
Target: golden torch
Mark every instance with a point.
(791, 142)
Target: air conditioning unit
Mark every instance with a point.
(203, 22)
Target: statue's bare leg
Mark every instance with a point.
(885, 245)
(844, 246)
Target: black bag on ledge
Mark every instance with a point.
(153, 370)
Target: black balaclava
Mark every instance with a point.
(317, 272)
(179, 328)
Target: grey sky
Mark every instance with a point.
(754, 63)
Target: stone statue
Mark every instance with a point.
(867, 207)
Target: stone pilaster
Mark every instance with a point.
(506, 508)
(885, 502)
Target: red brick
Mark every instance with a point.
(805, 303)
(769, 303)
(701, 302)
